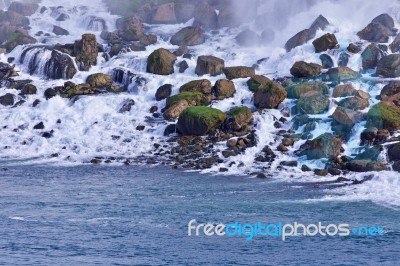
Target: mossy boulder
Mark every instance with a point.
(192, 97)
(295, 91)
(269, 95)
(384, 116)
(256, 81)
(312, 104)
(200, 120)
(202, 85)
(161, 62)
(238, 118)
(324, 146)
(18, 38)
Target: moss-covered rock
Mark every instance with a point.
(256, 81)
(383, 116)
(312, 104)
(161, 62)
(202, 85)
(238, 72)
(200, 120)
(339, 74)
(324, 146)
(269, 95)
(295, 91)
(238, 118)
(192, 97)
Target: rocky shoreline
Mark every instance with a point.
(199, 136)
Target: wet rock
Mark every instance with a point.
(205, 16)
(7, 99)
(209, 65)
(126, 106)
(343, 59)
(140, 128)
(50, 93)
(324, 146)
(353, 48)
(13, 18)
(192, 97)
(326, 61)
(288, 163)
(365, 166)
(320, 23)
(301, 69)
(161, 62)
(148, 39)
(99, 80)
(298, 39)
(269, 95)
(131, 28)
(63, 17)
(181, 50)
(60, 66)
(170, 129)
(385, 20)
(165, 14)
(163, 92)
(384, 116)
(184, 11)
(369, 135)
(393, 152)
(288, 142)
(188, 36)
(59, 31)
(224, 89)
(248, 38)
(202, 85)
(28, 89)
(153, 109)
(354, 103)
(346, 116)
(321, 172)
(175, 110)
(312, 103)
(325, 42)
(239, 119)
(200, 120)
(19, 37)
(238, 72)
(389, 66)
(390, 94)
(395, 45)
(136, 47)
(305, 168)
(375, 32)
(371, 56)
(39, 126)
(340, 74)
(183, 65)
(25, 9)
(86, 52)
(344, 90)
(282, 148)
(256, 81)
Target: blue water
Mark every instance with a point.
(131, 215)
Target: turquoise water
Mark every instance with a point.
(136, 215)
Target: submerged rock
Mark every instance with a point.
(59, 31)
(60, 66)
(161, 62)
(326, 61)
(7, 99)
(340, 74)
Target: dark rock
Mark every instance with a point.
(50, 93)
(248, 38)
(224, 89)
(325, 42)
(340, 74)
(389, 66)
(385, 20)
(343, 59)
(148, 39)
(344, 90)
(60, 66)
(365, 166)
(288, 142)
(321, 172)
(28, 89)
(299, 39)
(238, 72)
(384, 116)
(305, 168)
(161, 62)
(261, 176)
(39, 126)
(86, 51)
(320, 23)
(202, 85)
(140, 128)
(47, 135)
(209, 65)
(334, 171)
(7, 99)
(256, 81)
(269, 95)
(326, 61)
(205, 16)
(63, 17)
(353, 48)
(375, 32)
(188, 36)
(183, 65)
(354, 103)
(394, 152)
(370, 56)
(25, 9)
(163, 92)
(126, 106)
(153, 109)
(312, 104)
(59, 31)
(302, 69)
(395, 45)
(288, 163)
(181, 51)
(282, 148)
(324, 146)
(170, 129)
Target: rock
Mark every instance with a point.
(299, 39)
(256, 81)
(161, 62)
(248, 38)
(238, 72)
(205, 16)
(326, 61)
(261, 176)
(181, 50)
(59, 31)
(324, 146)
(183, 65)
(365, 166)
(231, 142)
(395, 45)
(188, 36)
(282, 148)
(390, 93)
(18, 38)
(60, 66)
(209, 65)
(389, 66)
(384, 20)
(287, 142)
(203, 85)
(269, 95)
(39, 126)
(148, 39)
(200, 120)
(25, 9)
(340, 74)
(267, 36)
(325, 42)
(131, 28)
(7, 99)
(170, 129)
(354, 103)
(305, 168)
(301, 69)
(369, 135)
(224, 89)
(63, 17)
(301, 89)
(126, 106)
(383, 116)
(184, 11)
(165, 14)
(375, 32)
(343, 59)
(153, 109)
(13, 18)
(28, 89)
(175, 110)
(344, 90)
(239, 118)
(346, 116)
(370, 57)
(136, 47)
(50, 93)
(393, 152)
(288, 163)
(352, 48)
(86, 51)
(320, 23)
(321, 172)
(99, 80)
(140, 128)
(163, 92)
(312, 103)
(193, 98)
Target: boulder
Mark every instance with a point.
(205, 16)
(298, 90)
(389, 66)
(375, 32)
(193, 98)
(175, 110)
(393, 152)
(248, 38)
(60, 66)
(390, 94)
(353, 48)
(13, 18)
(343, 59)
(28, 89)
(130, 28)
(312, 103)
(298, 39)
(181, 50)
(320, 23)
(184, 11)
(200, 120)
(238, 72)
(269, 95)
(345, 116)
(325, 42)
(165, 14)
(188, 36)
(239, 118)
(365, 166)
(354, 103)
(395, 45)
(384, 116)
(256, 81)
(339, 74)
(344, 90)
(224, 89)
(209, 65)
(99, 80)
(384, 20)
(86, 51)
(18, 38)
(163, 92)
(370, 56)
(326, 61)
(301, 69)
(161, 62)
(148, 39)
(369, 135)
(59, 31)
(23, 8)
(7, 99)
(183, 65)
(324, 146)
(203, 85)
